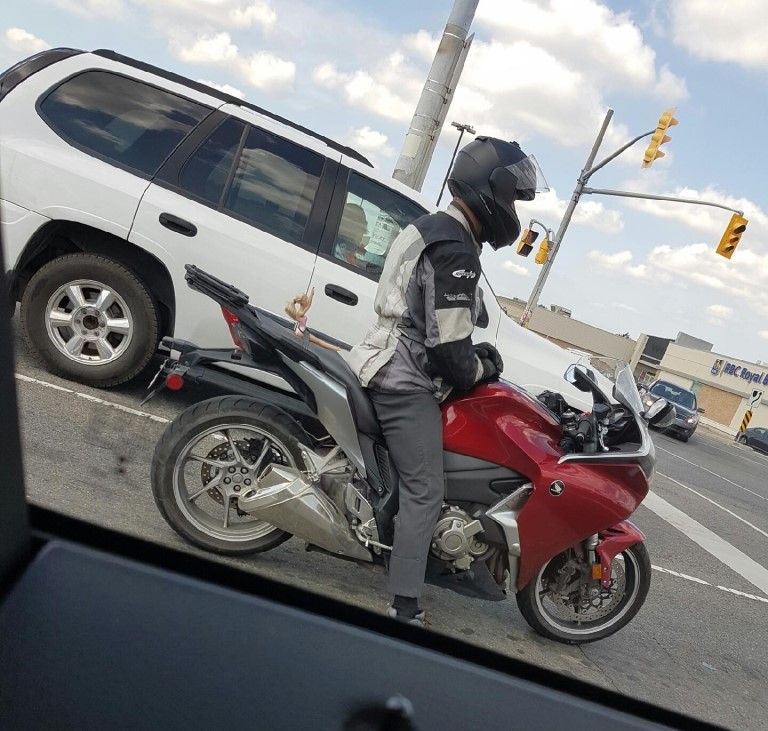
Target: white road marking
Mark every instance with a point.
(696, 580)
(93, 399)
(725, 479)
(731, 556)
(709, 500)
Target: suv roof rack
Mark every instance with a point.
(228, 98)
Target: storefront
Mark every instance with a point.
(723, 386)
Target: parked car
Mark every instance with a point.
(757, 438)
(114, 174)
(686, 409)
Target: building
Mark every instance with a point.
(651, 350)
(723, 385)
(557, 325)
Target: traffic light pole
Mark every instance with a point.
(580, 183)
(650, 196)
(582, 189)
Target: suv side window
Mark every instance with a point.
(275, 185)
(121, 120)
(373, 216)
(206, 173)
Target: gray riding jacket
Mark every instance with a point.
(427, 304)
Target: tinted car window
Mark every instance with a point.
(373, 216)
(120, 119)
(275, 184)
(206, 173)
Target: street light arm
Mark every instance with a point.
(648, 196)
(587, 174)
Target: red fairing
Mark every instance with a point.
(505, 425)
(613, 541)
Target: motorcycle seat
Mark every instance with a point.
(362, 408)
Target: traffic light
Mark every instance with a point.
(658, 138)
(736, 227)
(543, 253)
(525, 245)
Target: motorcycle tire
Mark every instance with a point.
(637, 566)
(196, 420)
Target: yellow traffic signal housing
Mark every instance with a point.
(525, 245)
(736, 227)
(543, 253)
(659, 138)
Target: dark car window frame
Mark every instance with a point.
(335, 213)
(104, 158)
(168, 177)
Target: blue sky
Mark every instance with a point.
(540, 71)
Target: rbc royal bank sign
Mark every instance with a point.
(723, 367)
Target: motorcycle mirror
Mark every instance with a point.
(582, 378)
(661, 414)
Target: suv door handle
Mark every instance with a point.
(178, 225)
(342, 295)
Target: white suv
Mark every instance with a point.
(114, 174)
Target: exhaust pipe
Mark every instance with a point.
(288, 501)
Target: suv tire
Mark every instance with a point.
(90, 319)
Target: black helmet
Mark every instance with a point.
(489, 175)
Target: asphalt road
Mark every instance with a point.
(699, 645)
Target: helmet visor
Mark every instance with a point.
(520, 181)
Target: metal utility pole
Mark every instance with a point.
(462, 129)
(428, 119)
(581, 189)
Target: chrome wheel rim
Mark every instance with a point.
(625, 572)
(88, 322)
(214, 468)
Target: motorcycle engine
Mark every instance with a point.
(454, 539)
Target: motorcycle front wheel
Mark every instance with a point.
(587, 612)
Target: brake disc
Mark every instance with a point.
(248, 448)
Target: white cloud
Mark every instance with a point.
(265, 71)
(94, 9)
(390, 90)
(588, 35)
(209, 50)
(370, 142)
(620, 261)
(212, 14)
(719, 314)
(23, 41)
(723, 31)
(515, 268)
(744, 278)
(764, 334)
(550, 208)
(226, 88)
(720, 311)
(262, 70)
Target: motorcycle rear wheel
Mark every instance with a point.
(636, 566)
(223, 421)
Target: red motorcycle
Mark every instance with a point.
(536, 492)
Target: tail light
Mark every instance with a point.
(232, 322)
(174, 381)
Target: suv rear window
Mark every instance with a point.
(121, 120)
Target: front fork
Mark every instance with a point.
(602, 548)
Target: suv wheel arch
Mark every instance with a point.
(58, 238)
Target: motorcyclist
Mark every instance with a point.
(420, 347)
